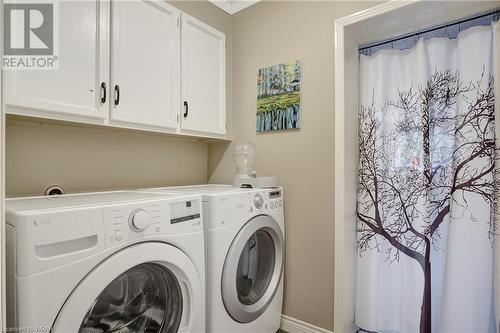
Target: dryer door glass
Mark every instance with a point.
(146, 298)
(255, 267)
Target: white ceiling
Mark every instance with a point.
(233, 6)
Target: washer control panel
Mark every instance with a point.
(125, 222)
(184, 211)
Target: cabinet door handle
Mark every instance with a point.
(186, 109)
(117, 94)
(103, 92)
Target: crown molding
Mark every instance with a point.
(233, 6)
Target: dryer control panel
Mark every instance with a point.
(275, 200)
(274, 194)
(223, 210)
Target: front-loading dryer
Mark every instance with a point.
(244, 233)
(106, 262)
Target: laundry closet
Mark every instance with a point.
(197, 166)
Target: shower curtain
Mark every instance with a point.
(426, 190)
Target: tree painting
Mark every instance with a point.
(440, 152)
(278, 97)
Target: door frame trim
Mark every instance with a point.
(343, 319)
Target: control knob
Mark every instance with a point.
(258, 201)
(139, 220)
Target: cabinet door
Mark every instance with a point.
(203, 87)
(145, 63)
(74, 89)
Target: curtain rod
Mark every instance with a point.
(425, 31)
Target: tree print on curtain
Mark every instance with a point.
(424, 170)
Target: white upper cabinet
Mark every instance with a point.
(203, 78)
(139, 64)
(145, 63)
(75, 88)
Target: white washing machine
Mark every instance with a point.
(106, 262)
(244, 231)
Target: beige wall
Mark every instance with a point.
(266, 34)
(90, 159)
(40, 154)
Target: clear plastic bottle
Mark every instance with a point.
(245, 156)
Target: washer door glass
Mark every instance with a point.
(145, 299)
(255, 267)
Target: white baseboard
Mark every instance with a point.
(293, 325)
